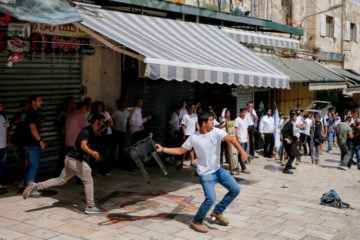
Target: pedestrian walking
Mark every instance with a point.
(32, 140)
(207, 148)
(344, 134)
(4, 143)
(289, 142)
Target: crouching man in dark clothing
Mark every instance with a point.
(77, 164)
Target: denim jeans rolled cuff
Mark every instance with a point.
(208, 182)
(34, 154)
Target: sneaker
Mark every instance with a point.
(92, 210)
(343, 168)
(284, 162)
(199, 227)
(245, 171)
(220, 218)
(29, 190)
(287, 171)
(180, 166)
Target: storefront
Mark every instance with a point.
(187, 60)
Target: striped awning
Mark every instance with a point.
(260, 39)
(352, 81)
(178, 50)
(318, 76)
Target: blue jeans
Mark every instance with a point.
(34, 153)
(355, 150)
(330, 140)
(208, 182)
(242, 164)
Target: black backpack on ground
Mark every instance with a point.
(332, 199)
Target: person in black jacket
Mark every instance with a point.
(289, 143)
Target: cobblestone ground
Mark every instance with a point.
(133, 209)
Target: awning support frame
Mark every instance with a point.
(108, 43)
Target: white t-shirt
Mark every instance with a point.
(107, 117)
(190, 123)
(120, 120)
(207, 149)
(250, 118)
(300, 121)
(267, 124)
(242, 125)
(4, 124)
(183, 112)
(308, 123)
(174, 121)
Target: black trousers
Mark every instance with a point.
(269, 142)
(251, 131)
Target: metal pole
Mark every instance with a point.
(343, 22)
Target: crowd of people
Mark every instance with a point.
(93, 142)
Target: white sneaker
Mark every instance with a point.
(345, 168)
(92, 210)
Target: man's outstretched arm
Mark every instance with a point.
(170, 151)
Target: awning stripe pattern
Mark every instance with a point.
(178, 50)
(307, 71)
(352, 81)
(261, 39)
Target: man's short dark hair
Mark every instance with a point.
(137, 99)
(95, 117)
(80, 105)
(348, 119)
(204, 117)
(24, 102)
(33, 97)
(243, 109)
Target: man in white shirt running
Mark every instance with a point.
(207, 148)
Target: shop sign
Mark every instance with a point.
(22, 30)
(68, 30)
(331, 56)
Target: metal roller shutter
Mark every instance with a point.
(159, 98)
(54, 77)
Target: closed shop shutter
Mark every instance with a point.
(54, 77)
(159, 98)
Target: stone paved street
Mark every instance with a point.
(133, 209)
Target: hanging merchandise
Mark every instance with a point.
(15, 57)
(4, 21)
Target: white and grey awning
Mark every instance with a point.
(178, 50)
(260, 39)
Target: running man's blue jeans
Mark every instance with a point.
(34, 153)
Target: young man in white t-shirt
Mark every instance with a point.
(242, 136)
(207, 148)
(189, 125)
